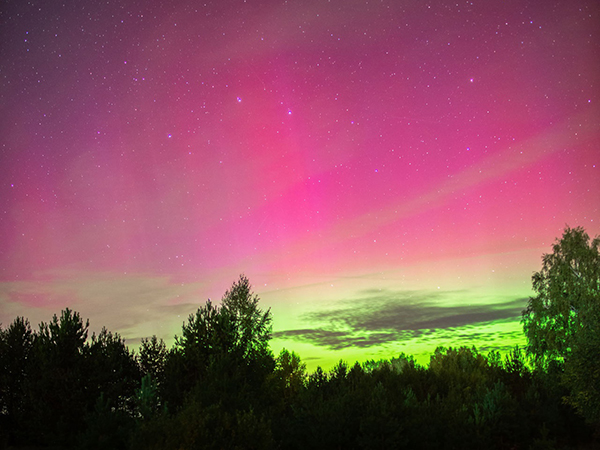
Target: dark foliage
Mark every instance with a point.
(220, 387)
(562, 321)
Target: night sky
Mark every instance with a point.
(387, 173)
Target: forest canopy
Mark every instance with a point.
(221, 386)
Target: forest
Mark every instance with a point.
(220, 386)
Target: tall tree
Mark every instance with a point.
(153, 357)
(562, 321)
(59, 397)
(112, 369)
(225, 345)
(16, 348)
(290, 372)
(207, 334)
(252, 325)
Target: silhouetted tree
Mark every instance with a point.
(216, 376)
(207, 337)
(562, 321)
(462, 366)
(290, 371)
(220, 387)
(16, 348)
(58, 394)
(112, 370)
(252, 326)
(152, 358)
(232, 339)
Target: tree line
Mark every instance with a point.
(221, 387)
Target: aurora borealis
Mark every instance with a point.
(387, 173)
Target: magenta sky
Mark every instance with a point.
(387, 173)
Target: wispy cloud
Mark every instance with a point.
(135, 305)
(381, 317)
(511, 158)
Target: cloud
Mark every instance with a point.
(135, 305)
(382, 317)
(336, 340)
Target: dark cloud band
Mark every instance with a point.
(379, 317)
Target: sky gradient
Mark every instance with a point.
(387, 173)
